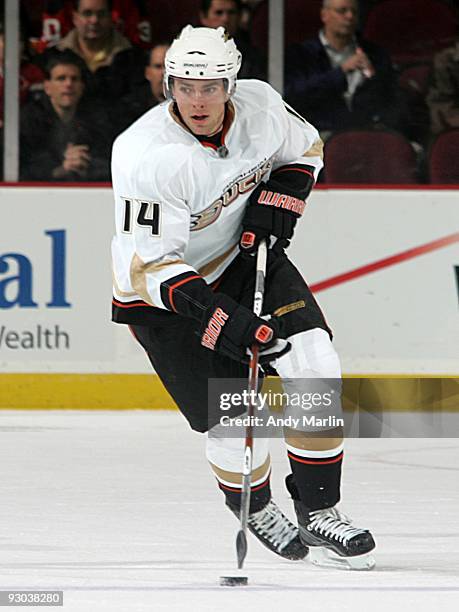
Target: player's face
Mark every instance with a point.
(154, 72)
(64, 87)
(222, 13)
(201, 104)
(93, 19)
(340, 17)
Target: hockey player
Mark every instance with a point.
(198, 182)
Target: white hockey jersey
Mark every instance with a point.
(179, 205)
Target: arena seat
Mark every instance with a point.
(369, 156)
(411, 30)
(443, 158)
(413, 81)
(415, 78)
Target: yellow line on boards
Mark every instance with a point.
(146, 392)
(80, 391)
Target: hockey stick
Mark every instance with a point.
(241, 539)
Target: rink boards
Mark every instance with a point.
(382, 263)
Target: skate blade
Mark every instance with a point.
(323, 557)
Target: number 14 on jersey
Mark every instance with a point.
(148, 215)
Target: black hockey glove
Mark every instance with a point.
(275, 206)
(231, 329)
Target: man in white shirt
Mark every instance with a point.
(340, 81)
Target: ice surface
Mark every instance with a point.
(120, 510)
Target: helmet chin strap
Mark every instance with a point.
(217, 136)
(176, 112)
(219, 129)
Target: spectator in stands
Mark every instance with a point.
(53, 20)
(134, 20)
(339, 81)
(443, 94)
(148, 94)
(114, 66)
(56, 21)
(227, 13)
(60, 139)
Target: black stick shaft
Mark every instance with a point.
(241, 540)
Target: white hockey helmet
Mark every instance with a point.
(202, 53)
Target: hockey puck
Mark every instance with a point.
(233, 581)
